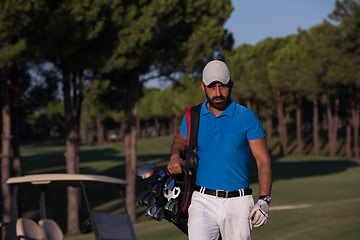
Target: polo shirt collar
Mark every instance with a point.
(229, 111)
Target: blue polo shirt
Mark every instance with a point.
(223, 149)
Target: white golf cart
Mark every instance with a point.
(104, 225)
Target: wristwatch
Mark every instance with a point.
(266, 198)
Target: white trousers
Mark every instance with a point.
(209, 216)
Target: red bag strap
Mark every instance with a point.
(188, 123)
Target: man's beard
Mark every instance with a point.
(219, 106)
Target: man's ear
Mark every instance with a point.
(203, 87)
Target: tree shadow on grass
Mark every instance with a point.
(43, 161)
(300, 169)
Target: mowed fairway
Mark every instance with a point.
(313, 197)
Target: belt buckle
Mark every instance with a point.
(217, 193)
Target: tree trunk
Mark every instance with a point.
(122, 130)
(280, 99)
(157, 126)
(131, 112)
(83, 135)
(348, 124)
(70, 155)
(78, 97)
(355, 111)
(5, 146)
(330, 126)
(90, 137)
(348, 140)
(335, 126)
(316, 126)
(173, 124)
(52, 132)
(15, 103)
(248, 103)
(163, 126)
(299, 138)
(269, 126)
(100, 132)
(333, 115)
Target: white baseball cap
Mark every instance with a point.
(216, 71)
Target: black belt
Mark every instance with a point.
(224, 194)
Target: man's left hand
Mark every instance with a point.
(259, 213)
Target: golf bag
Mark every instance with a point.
(192, 115)
(169, 195)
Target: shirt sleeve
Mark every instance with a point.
(255, 129)
(183, 128)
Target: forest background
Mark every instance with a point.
(100, 54)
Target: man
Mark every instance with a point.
(222, 202)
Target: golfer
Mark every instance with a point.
(222, 202)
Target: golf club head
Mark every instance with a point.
(159, 214)
(157, 190)
(172, 206)
(149, 199)
(161, 175)
(169, 183)
(150, 212)
(145, 171)
(141, 199)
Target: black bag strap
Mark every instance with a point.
(193, 136)
(195, 120)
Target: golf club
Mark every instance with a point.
(149, 199)
(145, 171)
(172, 206)
(161, 175)
(157, 189)
(141, 199)
(169, 183)
(159, 214)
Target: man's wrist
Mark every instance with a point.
(265, 198)
(174, 155)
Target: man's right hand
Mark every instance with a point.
(259, 213)
(175, 165)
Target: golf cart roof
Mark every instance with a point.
(65, 179)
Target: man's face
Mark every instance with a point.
(218, 95)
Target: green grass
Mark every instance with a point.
(329, 186)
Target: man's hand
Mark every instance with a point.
(178, 146)
(259, 213)
(175, 165)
